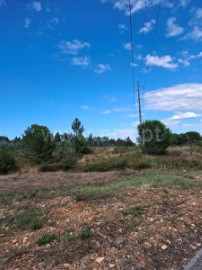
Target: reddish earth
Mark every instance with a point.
(140, 228)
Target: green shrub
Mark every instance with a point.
(47, 239)
(7, 162)
(86, 232)
(107, 164)
(154, 137)
(27, 218)
(62, 161)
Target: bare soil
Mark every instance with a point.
(33, 181)
(139, 228)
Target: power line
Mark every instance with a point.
(132, 47)
(153, 39)
(143, 40)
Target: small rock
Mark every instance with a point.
(139, 267)
(66, 266)
(119, 242)
(100, 259)
(164, 247)
(14, 241)
(25, 240)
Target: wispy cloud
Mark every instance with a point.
(163, 61)
(117, 110)
(101, 68)
(127, 46)
(147, 27)
(81, 61)
(186, 60)
(137, 5)
(184, 3)
(199, 13)
(85, 107)
(176, 119)
(178, 97)
(122, 27)
(186, 115)
(36, 5)
(195, 34)
(72, 47)
(173, 29)
(110, 99)
(132, 115)
(2, 3)
(27, 22)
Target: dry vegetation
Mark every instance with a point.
(122, 219)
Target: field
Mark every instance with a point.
(148, 218)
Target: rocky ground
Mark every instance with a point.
(136, 227)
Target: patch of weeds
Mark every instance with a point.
(27, 218)
(106, 165)
(70, 235)
(36, 225)
(136, 211)
(86, 232)
(47, 239)
(140, 240)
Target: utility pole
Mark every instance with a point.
(139, 102)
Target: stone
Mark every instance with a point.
(100, 259)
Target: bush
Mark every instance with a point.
(47, 239)
(7, 162)
(154, 137)
(107, 164)
(61, 161)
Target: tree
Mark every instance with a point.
(39, 142)
(79, 143)
(57, 137)
(193, 137)
(4, 139)
(154, 137)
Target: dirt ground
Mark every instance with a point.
(33, 181)
(139, 228)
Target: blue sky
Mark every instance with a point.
(72, 58)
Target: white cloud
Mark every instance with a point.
(123, 27)
(110, 99)
(188, 58)
(101, 68)
(184, 3)
(36, 5)
(173, 29)
(117, 110)
(163, 61)
(147, 27)
(72, 47)
(137, 5)
(186, 115)
(176, 119)
(127, 46)
(178, 97)
(195, 35)
(132, 115)
(2, 3)
(81, 61)
(27, 22)
(85, 108)
(199, 13)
